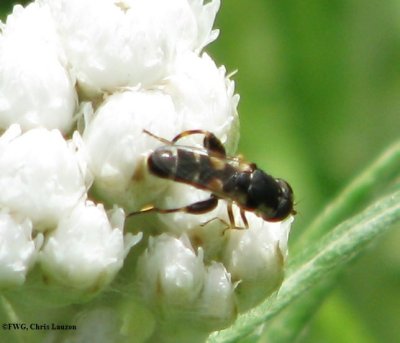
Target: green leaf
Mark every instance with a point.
(321, 260)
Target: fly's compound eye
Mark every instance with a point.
(265, 196)
(285, 205)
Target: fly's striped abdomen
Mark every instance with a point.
(192, 167)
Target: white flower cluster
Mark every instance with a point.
(79, 82)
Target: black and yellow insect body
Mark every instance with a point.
(224, 177)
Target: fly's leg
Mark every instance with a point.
(227, 225)
(231, 224)
(211, 143)
(199, 207)
(231, 217)
(244, 219)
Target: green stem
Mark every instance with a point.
(298, 314)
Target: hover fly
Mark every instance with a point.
(228, 178)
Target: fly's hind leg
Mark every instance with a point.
(199, 207)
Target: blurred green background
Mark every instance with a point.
(319, 83)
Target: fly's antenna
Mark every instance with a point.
(163, 140)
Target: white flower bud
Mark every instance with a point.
(18, 250)
(255, 258)
(170, 272)
(205, 16)
(112, 44)
(85, 251)
(204, 98)
(40, 176)
(35, 88)
(176, 282)
(217, 302)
